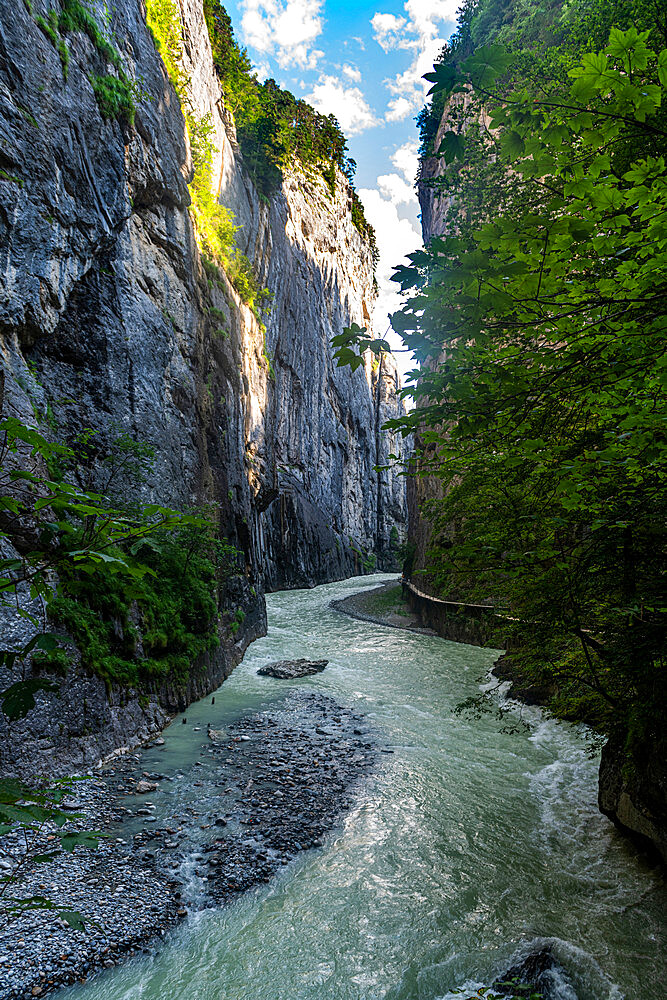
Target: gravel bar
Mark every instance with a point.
(281, 779)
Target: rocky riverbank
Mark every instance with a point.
(261, 791)
(124, 900)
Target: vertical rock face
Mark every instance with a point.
(438, 218)
(422, 488)
(106, 313)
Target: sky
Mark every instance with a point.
(362, 62)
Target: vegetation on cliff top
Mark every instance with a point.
(545, 39)
(216, 229)
(273, 127)
(538, 323)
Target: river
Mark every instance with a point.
(468, 846)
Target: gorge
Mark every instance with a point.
(239, 756)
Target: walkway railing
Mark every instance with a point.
(438, 600)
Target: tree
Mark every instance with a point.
(539, 327)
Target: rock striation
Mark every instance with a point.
(109, 322)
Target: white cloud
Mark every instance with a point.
(421, 32)
(395, 189)
(286, 29)
(387, 31)
(348, 104)
(398, 109)
(406, 159)
(352, 73)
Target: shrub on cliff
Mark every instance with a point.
(137, 586)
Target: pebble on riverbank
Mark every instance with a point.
(295, 775)
(124, 902)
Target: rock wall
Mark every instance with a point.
(633, 789)
(420, 488)
(106, 315)
(311, 430)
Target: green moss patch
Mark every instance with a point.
(136, 631)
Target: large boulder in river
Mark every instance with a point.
(289, 669)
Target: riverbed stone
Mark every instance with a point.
(291, 669)
(144, 787)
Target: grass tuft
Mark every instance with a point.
(115, 97)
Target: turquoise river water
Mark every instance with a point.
(467, 848)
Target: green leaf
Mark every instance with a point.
(512, 144)
(73, 918)
(487, 64)
(19, 699)
(662, 68)
(90, 839)
(630, 47)
(444, 79)
(452, 147)
(405, 276)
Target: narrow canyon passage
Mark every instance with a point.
(465, 847)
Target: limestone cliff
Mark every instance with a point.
(109, 321)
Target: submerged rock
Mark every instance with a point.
(143, 787)
(538, 972)
(289, 669)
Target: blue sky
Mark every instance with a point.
(362, 62)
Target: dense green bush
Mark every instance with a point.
(547, 299)
(133, 631)
(115, 97)
(138, 586)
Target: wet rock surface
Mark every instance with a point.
(272, 785)
(538, 973)
(289, 669)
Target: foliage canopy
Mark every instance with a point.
(538, 324)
